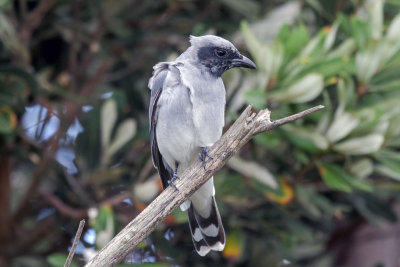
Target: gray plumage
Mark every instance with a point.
(186, 117)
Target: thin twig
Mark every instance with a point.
(62, 207)
(244, 128)
(75, 243)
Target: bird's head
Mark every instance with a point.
(218, 54)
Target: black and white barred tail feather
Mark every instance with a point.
(207, 233)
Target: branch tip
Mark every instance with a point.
(75, 243)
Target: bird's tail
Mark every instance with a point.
(207, 232)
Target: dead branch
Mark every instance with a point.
(75, 243)
(244, 128)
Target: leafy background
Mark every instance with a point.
(322, 191)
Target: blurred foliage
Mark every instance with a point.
(74, 127)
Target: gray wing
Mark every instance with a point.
(156, 85)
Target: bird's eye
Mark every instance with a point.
(220, 52)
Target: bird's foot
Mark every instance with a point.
(203, 156)
(171, 182)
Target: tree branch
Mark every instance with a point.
(31, 20)
(244, 128)
(75, 243)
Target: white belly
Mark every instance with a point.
(190, 116)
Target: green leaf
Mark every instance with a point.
(314, 46)
(4, 3)
(369, 117)
(373, 209)
(390, 163)
(28, 80)
(320, 8)
(358, 183)
(104, 224)
(8, 120)
(301, 142)
(344, 23)
(108, 118)
(306, 138)
(253, 170)
(371, 59)
(360, 30)
(259, 52)
(9, 36)
(303, 90)
(386, 75)
(269, 140)
(180, 216)
(393, 30)
(360, 145)
(394, 129)
(240, 7)
(59, 259)
(375, 10)
(332, 67)
(344, 49)
(125, 132)
(341, 126)
(395, 3)
(315, 203)
(235, 241)
(330, 38)
(346, 92)
(337, 178)
(386, 86)
(230, 183)
(387, 154)
(332, 177)
(389, 169)
(362, 168)
(293, 40)
(142, 244)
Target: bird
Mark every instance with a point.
(186, 114)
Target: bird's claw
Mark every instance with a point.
(171, 182)
(203, 156)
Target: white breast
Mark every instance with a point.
(191, 114)
(207, 94)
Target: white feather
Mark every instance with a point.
(197, 235)
(185, 205)
(211, 230)
(202, 198)
(218, 246)
(203, 250)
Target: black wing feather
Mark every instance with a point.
(164, 170)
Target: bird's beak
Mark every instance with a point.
(244, 62)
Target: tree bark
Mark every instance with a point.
(244, 128)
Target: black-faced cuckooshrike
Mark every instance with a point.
(186, 117)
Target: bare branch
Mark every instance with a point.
(75, 243)
(63, 208)
(31, 20)
(244, 128)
